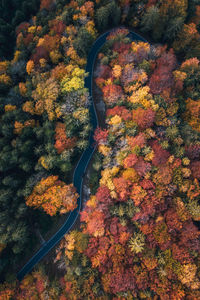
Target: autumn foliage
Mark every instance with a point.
(112, 93)
(53, 195)
(137, 237)
(62, 142)
(142, 238)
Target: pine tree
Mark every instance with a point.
(150, 18)
(173, 27)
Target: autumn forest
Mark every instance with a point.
(124, 196)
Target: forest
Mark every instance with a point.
(138, 235)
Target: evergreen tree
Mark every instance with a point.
(173, 27)
(150, 18)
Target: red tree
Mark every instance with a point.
(122, 280)
(40, 52)
(193, 151)
(142, 167)
(120, 47)
(121, 111)
(103, 194)
(112, 93)
(58, 26)
(104, 72)
(23, 27)
(100, 135)
(130, 160)
(172, 220)
(138, 140)
(28, 39)
(147, 184)
(62, 142)
(143, 118)
(95, 222)
(181, 254)
(162, 77)
(160, 155)
(122, 187)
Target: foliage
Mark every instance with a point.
(74, 80)
(53, 195)
(138, 222)
(12, 14)
(62, 142)
(137, 238)
(44, 127)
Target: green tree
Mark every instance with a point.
(102, 15)
(173, 27)
(108, 15)
(83, 42)
(150, 18)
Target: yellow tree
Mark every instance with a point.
(45, 96)
(74, 80)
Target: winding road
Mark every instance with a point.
(82, 165)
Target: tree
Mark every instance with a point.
(30, 67)
(130, 160)
(142, 167)
(102, 15)
(116, 71)
(107, 15)
(173, 27)
(62, 142)
(193, 151)
(122, 186)
(187, 274)
(95, 223)
(59, 71)
(195, 168)
(181, 254)
(112, 93)
(150, 18)
(45, 96)
(57, 26)
(190, 65)
(46, 4)
(164, 175)
(191, 114)
(161, 155)
(143, 118)
(100, 135)
(103, 195)
(50, 43)
(120, 281)
(74, 80)
(162, 78)
(83, 42)
(185, 37)
(53, 195)
(40, 52)
(121, 111)
(138, 140)
(137, 242)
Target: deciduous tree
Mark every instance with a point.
(53, 195)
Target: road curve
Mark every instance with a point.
(83, 161)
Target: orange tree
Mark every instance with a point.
(53, 195)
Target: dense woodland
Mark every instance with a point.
(139, 236)
(12, 13)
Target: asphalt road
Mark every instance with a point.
(82, 164)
